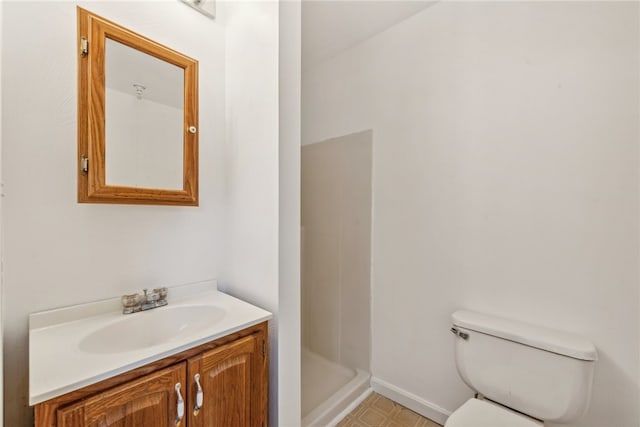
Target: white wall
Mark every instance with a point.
(289, 403)
(262, 262)
(251, 159)
(58, 252)
(505, 180)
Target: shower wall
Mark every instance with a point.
(336, 248)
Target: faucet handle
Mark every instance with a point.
(162, 292)
(131, 303)
(130, 300)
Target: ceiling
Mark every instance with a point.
(331, 26)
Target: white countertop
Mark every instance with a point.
(57, 365)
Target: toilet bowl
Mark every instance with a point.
(483, 413)
(526, 374)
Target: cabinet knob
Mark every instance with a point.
(180, 408)
(199, 395)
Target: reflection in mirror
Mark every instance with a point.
(144, 122)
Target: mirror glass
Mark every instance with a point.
(144, 119)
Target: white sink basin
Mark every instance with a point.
(74, 347)
(149, 328)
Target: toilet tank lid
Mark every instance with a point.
(555, 341)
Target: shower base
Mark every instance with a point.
(328, 389)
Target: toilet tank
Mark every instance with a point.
(542, 372)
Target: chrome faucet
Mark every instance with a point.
(149, 300)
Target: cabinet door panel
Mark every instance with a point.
(150, 401)
(231, 381)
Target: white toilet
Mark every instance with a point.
(524, 374)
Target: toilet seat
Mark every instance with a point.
(482, 413)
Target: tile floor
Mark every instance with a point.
(378, 411)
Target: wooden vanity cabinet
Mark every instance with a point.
(147, 401)
(231, 373)
(229, 385)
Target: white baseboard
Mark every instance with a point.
(411, 401)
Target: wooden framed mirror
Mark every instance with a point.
(137, 118)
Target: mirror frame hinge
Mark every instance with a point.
(84, 164)
(84, 46)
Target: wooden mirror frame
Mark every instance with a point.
(93, 31)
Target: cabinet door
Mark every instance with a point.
(233, 382)
(149, 401)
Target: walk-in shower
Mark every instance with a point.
(336, 264)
